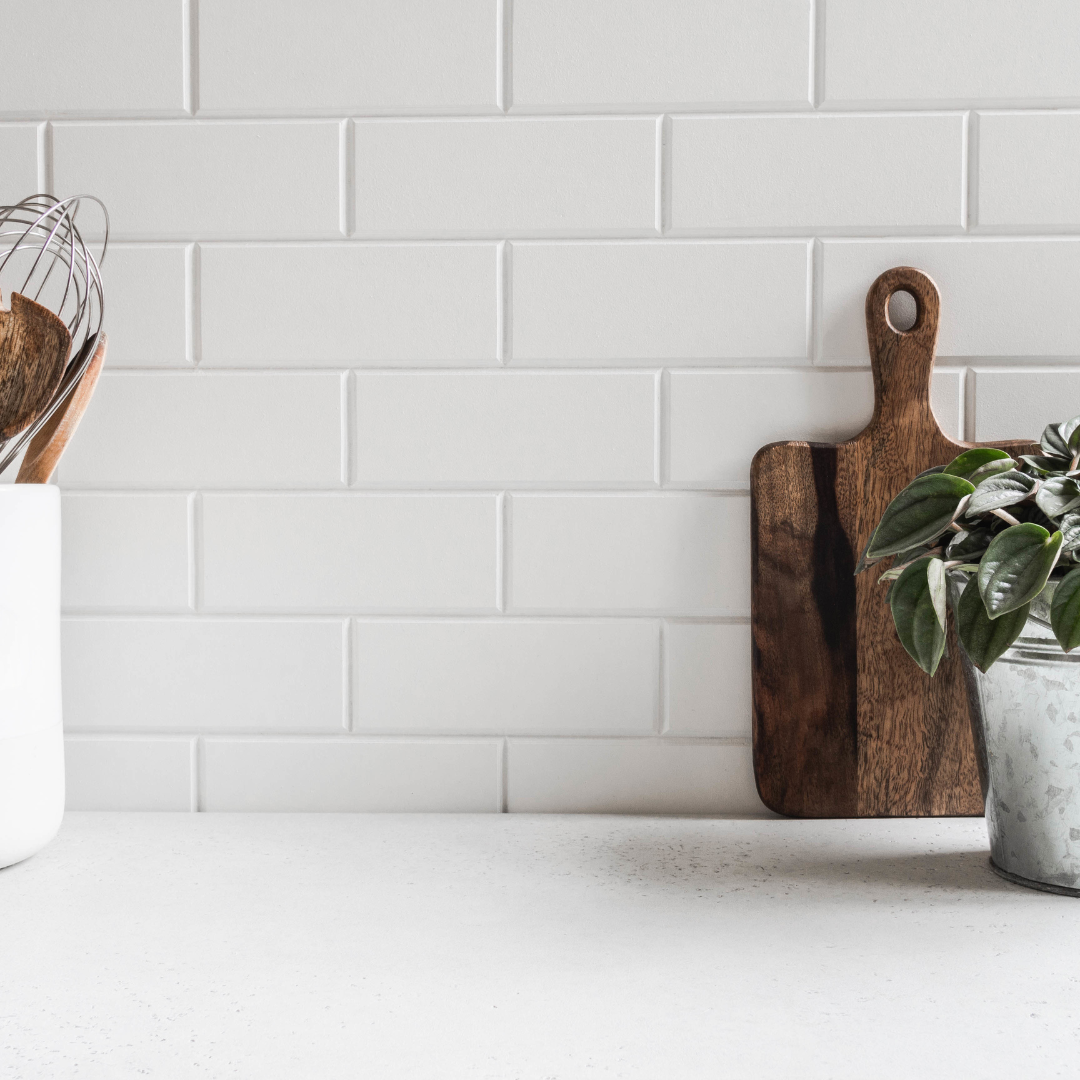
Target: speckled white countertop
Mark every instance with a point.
(516, 947)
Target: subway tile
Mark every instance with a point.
(324, 55)
(505, 426)
(663, 300)
(649, 51)
(524, 677)
(125, 551)
(348, 303)
(747, 172)
(205, 180)
(1002, 297)
(677, 554)
(1027, 168)
(707, 676)
(18, 162)
(211, 430)
(630, 776)
(506, 176)
(107, 773)
(203, 674)
(67, 57)
(370, 553)
(1019, 404)
(145, 305)
(719, 420)
(430, 776)
(963, 51)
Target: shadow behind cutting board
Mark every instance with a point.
(845, 723)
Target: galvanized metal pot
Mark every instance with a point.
(1026, 719)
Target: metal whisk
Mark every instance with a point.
(44, 257)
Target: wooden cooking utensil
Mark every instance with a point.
(845, 723)
(48, 443)
(34, 348)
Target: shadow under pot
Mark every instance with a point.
(31, 732)
(1025, 715)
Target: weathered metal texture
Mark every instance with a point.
(1028, 706)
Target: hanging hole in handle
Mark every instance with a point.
(903, 311)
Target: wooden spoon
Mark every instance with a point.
(34, 349)
(49, 442)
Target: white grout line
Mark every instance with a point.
(661, 427)
(348, 424)
(348, 720)
(193, 304)
(45, 158)
(192, 539)
(190, 46)
(814, 280)
(969, 379)
(500, 551)
(817, 53)
(197, 552)
(504, 51)
(662, 720)
(504, 777)
(346, 178)
(198, 777)
(971, 164)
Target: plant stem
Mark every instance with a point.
(955, 527)
(1005, 516)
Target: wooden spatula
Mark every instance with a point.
(51, 440)
(34, 348)
(845, 723)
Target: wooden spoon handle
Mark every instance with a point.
(49, 442)
(903, 360)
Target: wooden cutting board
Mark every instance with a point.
(845, 723)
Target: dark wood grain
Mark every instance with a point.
(50, 441)
(34, 348)
(845, 723)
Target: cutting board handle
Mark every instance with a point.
(903, 360)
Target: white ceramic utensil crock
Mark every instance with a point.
(31, 729)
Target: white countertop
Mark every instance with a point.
(519, 947)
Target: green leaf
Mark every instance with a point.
(930, 472)
(1052, 443)
(1057, 495)
(917, 600)
(972, 460)
(1016, 566)
(1008, 489)
(921, 512)
(1070, 531)
(968, 544)
(991, 468)
(985, 639)
(1065, 611)
(1070, 434)
(1044, 466)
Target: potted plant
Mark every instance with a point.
(998, 541)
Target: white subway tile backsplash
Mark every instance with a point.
(369, 553)
(146, 305)
(204, 675)
(999, 297)
(206, 180)
(216, 430)
(505, 426)
(707, 676)
(1019, 404)
(18, 163)
(430, 776)
(506, 177)
(1027, 168)
(677, 554)
(658, 301)
(125, 551)
(917, 51)
(67, 57)
(521, 677)
(324, 55)
(719, 419)
(630, 776)
(800, 172)
(106, 773)
(648, 51)
(348, 303)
